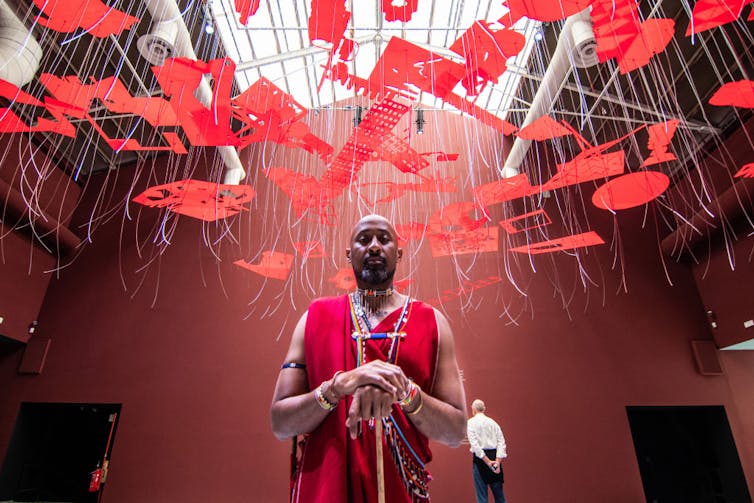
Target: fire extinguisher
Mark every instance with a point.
(96, 480)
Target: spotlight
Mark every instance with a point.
(357, 115)
(420, 121)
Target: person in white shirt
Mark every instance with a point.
(487, 445)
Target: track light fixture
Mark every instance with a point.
(420, 121)
(357, 115)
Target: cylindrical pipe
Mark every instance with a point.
(549, 89)
(20, 52)
(45, 227)
(167, 11)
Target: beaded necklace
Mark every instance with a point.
(363, 329)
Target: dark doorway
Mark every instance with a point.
(56, 449)
(687, 455)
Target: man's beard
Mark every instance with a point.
(376, 276)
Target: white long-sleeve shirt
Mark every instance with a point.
(484, 433)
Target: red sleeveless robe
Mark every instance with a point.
(334, 468)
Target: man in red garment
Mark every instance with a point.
(373, 355)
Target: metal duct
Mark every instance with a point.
(170, 38)
(576, 47)
(20, 52)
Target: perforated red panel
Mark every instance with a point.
(482, 240)
(198, 199)
(585, 168)
(502, 190)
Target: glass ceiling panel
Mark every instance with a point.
(275, 44)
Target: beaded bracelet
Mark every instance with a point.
(410, 396)
(321, 400)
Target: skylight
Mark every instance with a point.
(275, 44)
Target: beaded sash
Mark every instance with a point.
(413, 473)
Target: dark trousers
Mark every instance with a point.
(484, 478)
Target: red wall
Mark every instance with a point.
(25, 266)
(192, 354)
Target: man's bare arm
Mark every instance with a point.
(295, 409)
(442, 415)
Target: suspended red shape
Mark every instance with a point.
(274, 115)
(246, 9)
(631, 190)
(204, 127)
(462, 242)
(304, 192)
(480, 113)
(467, 286)
(328, 21)
(502, 190)
(404, 66)
(654, 37)
(343, 279)
(69, 90)
(11, 123)
(544, 128)
(585, 168)
(708, 14)
(531, 220)
(310, 249)
(155, 110)
(399, 11)
(412, 231)
(456, 216)
(397, 190)
(572, 242)
(273, 265)
(400, 154)
(442, 156)
(361, 146)
(198, 199)
(16, 95)
(615, 23)
(486, 52)
(98, 19)
(746, 171)
(660, 136)
(264, 96)
(735, 94)
(543, 10)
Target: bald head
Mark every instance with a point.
(477, 406)
(374, 252)
(371, 220)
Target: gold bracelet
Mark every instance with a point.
(331, 387)
(416, 410)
